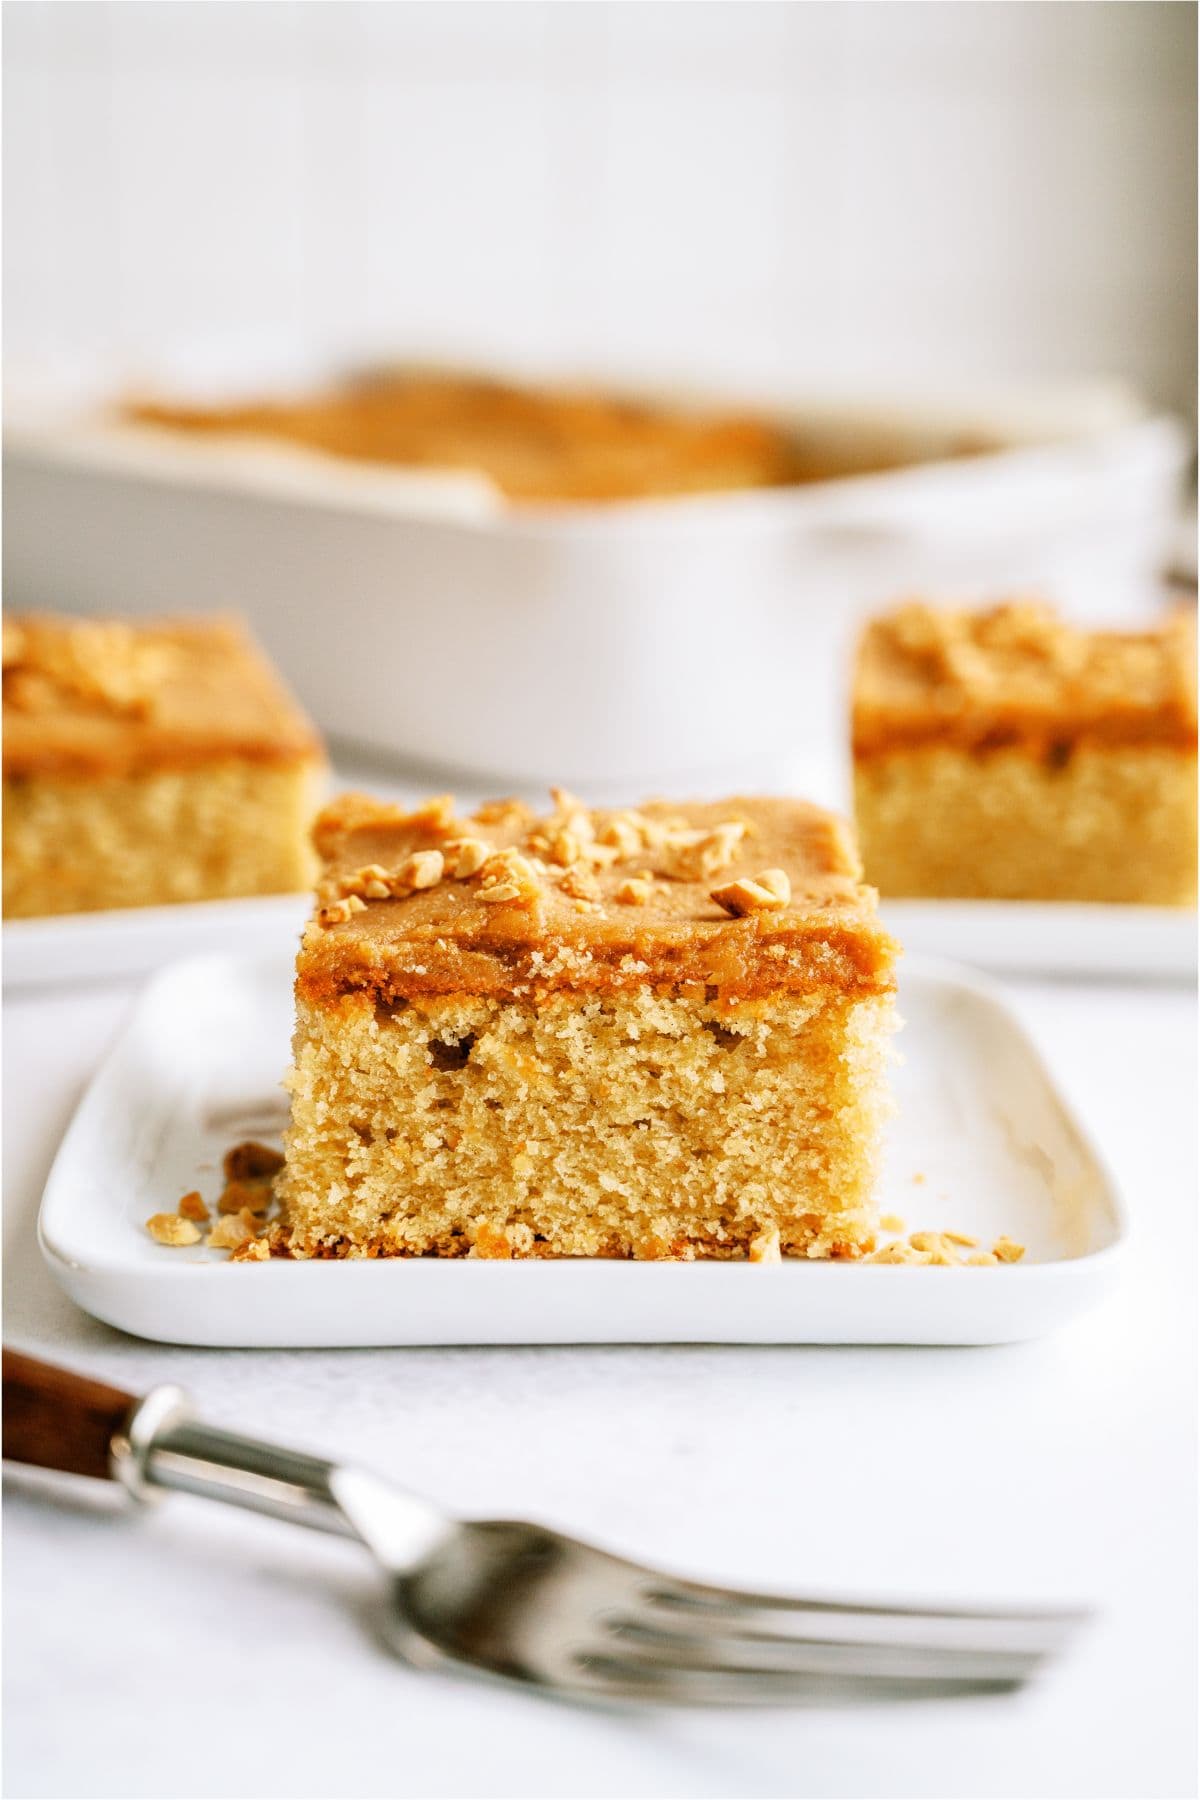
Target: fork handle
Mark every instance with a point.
(55, 1419)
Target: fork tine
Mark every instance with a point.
(619, 1678)
(687, 1609)
(818, 1658)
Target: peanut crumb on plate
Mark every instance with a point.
(765, 1248)
(229, 1233)
(192, 1206)
(169, 1228)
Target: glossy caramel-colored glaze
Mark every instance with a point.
(572, 930)
(1017, 676)
(86, 697)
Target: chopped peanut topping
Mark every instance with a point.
(624, 835)
(107, 665)
(635, 892)
(169, 1228)
(601, 856)
(580, 884)
(508, 876)
(769, 892)
(563, 848)
(696, 855)
(940, 1249)
(339, 911)
(423, 869)
(465, 857)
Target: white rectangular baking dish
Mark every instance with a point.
(982, 1143)
(627, 644)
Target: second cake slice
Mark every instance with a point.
(644, 1034)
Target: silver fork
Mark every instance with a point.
(519, 1600)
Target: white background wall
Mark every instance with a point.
(840, 192)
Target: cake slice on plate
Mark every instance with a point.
(149, 763)
(1008, 755)
(654, 1034)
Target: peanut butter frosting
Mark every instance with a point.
(739, 898)
(1017, 675)
(109, 697)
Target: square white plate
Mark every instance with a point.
(982, 1143)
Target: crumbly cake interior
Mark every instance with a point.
(627, 1125)
(608, 1060)
(1007, 755)
(149, 763)
(80, 844)
(1115, 825)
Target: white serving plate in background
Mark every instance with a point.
(630, 641)
(982, 1143)
(1051, 937)
(74, 949)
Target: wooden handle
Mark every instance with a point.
(59, 1420)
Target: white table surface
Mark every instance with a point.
(194, 1652)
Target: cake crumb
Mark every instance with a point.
(253, 1196)
(765, 1248)
(919, 1178)
(491, 1244)
(169, 1228)
(192, 1206)
(1006, 1251)
(891, 1222)
(253, 1250)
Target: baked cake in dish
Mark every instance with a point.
(149, 763)
(651, 1034)
(540, 444)
(1008, 755)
